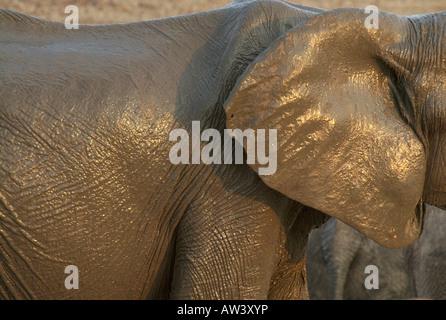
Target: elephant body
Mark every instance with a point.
(338, 255)
(85, 117)
(85, 174)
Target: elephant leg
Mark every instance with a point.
(221, 255)
(230, 245)
(340, 245)
(289, 282)
(427, 259)
(290, 278)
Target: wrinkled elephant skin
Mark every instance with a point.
(85, 122)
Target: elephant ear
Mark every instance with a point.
(329, 88)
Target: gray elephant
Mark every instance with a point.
(427, 258)
(337, 258)
(93, 180)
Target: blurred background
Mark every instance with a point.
(117, 11)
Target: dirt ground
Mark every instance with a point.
(117, 11)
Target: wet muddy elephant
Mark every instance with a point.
(86, 173)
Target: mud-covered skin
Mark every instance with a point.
(360, 116)
(85, 175)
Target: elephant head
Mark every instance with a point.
(360, 116)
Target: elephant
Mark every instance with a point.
(426, 258)
(92, 122)
(338, 255)
(337, 258)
